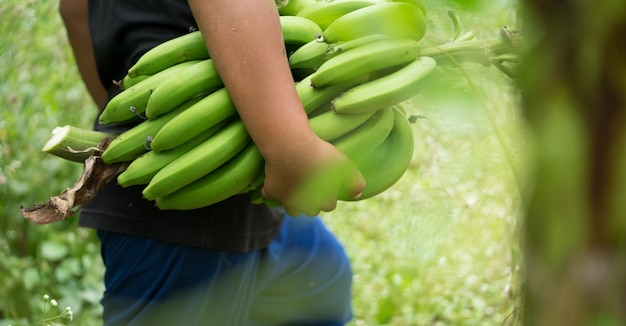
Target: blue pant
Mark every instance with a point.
(302, 278)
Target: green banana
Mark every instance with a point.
(402, 108)
(323, 13)
(361, 141)
(395, 19)
(199, 161)
(331, 125)
(187, 47)
(128, 82)
(228, 180)
(129, 104)
(312, 98)
(298, 30)
(315, 53)
(387, 90)
(386, 164)
(134, 142)
(142, 169)
(365, 60)
(255, 185)
(325, 107)
(204, 114)
(253, 191)
(309, 55)
(340, 47)
(191, 81)
(418, 3)
(294, 6)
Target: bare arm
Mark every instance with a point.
(244, 39)
(74, 15)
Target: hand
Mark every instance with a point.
(306, 178)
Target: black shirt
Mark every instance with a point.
(122, 30)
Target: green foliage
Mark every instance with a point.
(41, 90)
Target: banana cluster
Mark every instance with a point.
(355, 62)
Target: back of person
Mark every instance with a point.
(123, 30)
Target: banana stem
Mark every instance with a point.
(74, 144)
(506, 70)
(475, 50)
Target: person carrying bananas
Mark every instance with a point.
(232, 263)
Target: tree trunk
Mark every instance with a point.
(573, 78)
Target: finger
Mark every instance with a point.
(312, 212)
(329, 206)
(293, 212)
(298, 210)
(268, 200)
(354, 183)
(264, 193)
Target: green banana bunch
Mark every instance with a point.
(323, 13)
(199, 161)
(135, 141)
(395, 19)
(387, 90)
(364, 60)
(354, 62)
(128, 105)
(230, 179)
(187, 47)
(386, 164)
(186, 83)
(143, 168)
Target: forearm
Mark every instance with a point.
(245, 42)
(74, 14)
(302, 172)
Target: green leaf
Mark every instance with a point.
(30, 278)
(53, 250)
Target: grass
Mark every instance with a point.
(438, 248)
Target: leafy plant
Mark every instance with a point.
(41, 89)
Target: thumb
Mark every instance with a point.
(265, 199)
